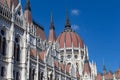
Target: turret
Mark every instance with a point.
(27, 13)
(104, 70)
(87, 69)
(52, 36)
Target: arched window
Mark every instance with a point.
(17, 49)
(2, 42)
(3, 71)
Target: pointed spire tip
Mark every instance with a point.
(51, 21)
(27, 6)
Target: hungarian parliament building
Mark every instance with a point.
(27, 54)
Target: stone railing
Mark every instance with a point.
(5, 12)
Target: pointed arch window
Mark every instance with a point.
(17, 49)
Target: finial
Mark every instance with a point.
(27, 6)
(67, 25)
(52, 22)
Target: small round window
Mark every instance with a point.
(69, 56)
(76, 56)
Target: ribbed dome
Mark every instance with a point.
(69, 38)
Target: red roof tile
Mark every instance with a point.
(61, 40)
(28, 16)
(52, 36)
(68, 38)
(87, 68)
(40, 32)
(117, 74)
(98, 77)
(109, 75)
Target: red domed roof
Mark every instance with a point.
(69, 38)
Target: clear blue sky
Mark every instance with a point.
(96, 21)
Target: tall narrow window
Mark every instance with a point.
(18, 53)
(62, 58)
(16, 50)
(13, 75)
(33, 74)
(4, 47)
(2, 71)
(17, 76)
(0, 43)
(30, 74)
(41, 76)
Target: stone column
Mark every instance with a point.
(10, 49)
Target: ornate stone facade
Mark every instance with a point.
(26, 54)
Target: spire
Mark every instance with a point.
(104, 68)
(27, 6)
(52, 36)
(87, 68)
(27, 13)
(67, 25)
(52, 22)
